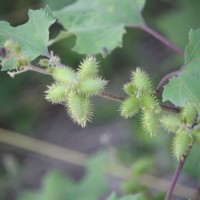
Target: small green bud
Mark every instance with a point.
(44, 62)
(21, 62)
(8, 44)
(16, 49)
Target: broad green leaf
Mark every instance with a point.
(32, 36)
(100, 24)
(185, 87)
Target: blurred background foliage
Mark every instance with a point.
(23, 108)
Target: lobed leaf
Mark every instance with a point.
(32, 36)
(100, 24)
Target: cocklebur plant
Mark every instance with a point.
(21, 45)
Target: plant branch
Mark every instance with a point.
(165, 80)
(105, 95)
(28, 68)
(176, 174)
(117, 98)
(170, 108)
(12, 74)
(110, 96)
(160, 38)
(37, 69)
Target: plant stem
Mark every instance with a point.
(37, 69)
(105, 95)
(165, 80)
(160, 38)
(176, 174)
(110, 96)
(117, 98)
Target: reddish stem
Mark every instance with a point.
(160, 38)
(176, 175)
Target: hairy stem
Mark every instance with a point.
(161, 39)
(176, 175)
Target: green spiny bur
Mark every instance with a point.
(150, 122)
(130, 89)
(150, 103)
(64, 75)
(181, 144)
(79, 108)
(129, 107)
(88, 68)
(171, 122)
(141, 81)
(196, 136)
(56, 93)
(189, 113)
(92, 86)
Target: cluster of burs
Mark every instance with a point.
(74, 89)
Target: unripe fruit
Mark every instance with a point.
(129, 107)
(181, 144)
(88, 68)
(56, 93)
(92, 86)
(79, 108)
